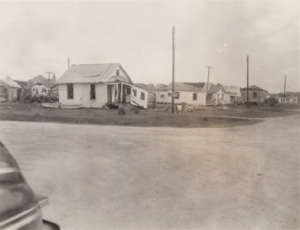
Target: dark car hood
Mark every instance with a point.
(15, 193)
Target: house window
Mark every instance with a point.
(142, 95)
(70, 90)
(169, 94)
(162, 95)
(254, 94)
(177, 95)
(118, 72)
(195, 97)
(134, 92)
(93, 91)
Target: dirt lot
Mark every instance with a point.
(207, 117)
(114, 177)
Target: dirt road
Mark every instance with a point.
(111, 177)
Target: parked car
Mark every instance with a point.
(20, 207)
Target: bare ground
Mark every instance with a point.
(113, 177)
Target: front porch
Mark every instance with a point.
(118, 93)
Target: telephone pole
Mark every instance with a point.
(173, 68)
(49, 75)
(207, 81)
(247, 97)
(284, 86)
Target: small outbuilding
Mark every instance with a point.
(10, 90)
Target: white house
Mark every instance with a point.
(94, 85)
(189, 93)
(39, 90)
(226, 95)
(289, 99)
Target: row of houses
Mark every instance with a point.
(96, 85)
(39, 86)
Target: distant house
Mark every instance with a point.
(10, 90)
(256, 94)
(224, 95)
(41, 80)
(189, 93)
(288, 99)
(39, 90)
(94, 85)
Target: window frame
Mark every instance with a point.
(142, 96)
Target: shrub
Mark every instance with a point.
(271, 101)
(121, 111)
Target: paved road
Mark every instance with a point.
(109, 177)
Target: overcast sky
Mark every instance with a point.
(38, 37)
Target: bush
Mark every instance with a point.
(271, 101)
(121, 111)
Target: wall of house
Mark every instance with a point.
(12, 94)
(288, 100)
(184, 97)
(81, 96)
(136, 98)
(260, 97)
(225, 98)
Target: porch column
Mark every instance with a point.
(121, 98)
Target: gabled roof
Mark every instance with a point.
(148, 87)
(93, 73)
(232, 89)
(190, 87)
(10, 83)
(254, 87)
(183, 86)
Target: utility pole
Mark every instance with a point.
(247, 97)
(284, 86)
(49, 75)
(207, 81)
(173, 68)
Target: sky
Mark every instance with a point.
(37, 37)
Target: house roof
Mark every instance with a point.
(148, 87)
(93, 73)
(232, 89)
(183, 86)
(10, 83)
(40, 79)
(254, 87)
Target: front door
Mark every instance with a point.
(109, 94)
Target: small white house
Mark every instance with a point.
(39, 90)
(94, 85)
(189, 93)
(288, 99)
(227, 95)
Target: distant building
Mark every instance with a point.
(189, 93)
(143, 95)
(288, 99)
(256, 94)
(224, 95)
(94, 85)
(10, 90)
(39, 90)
